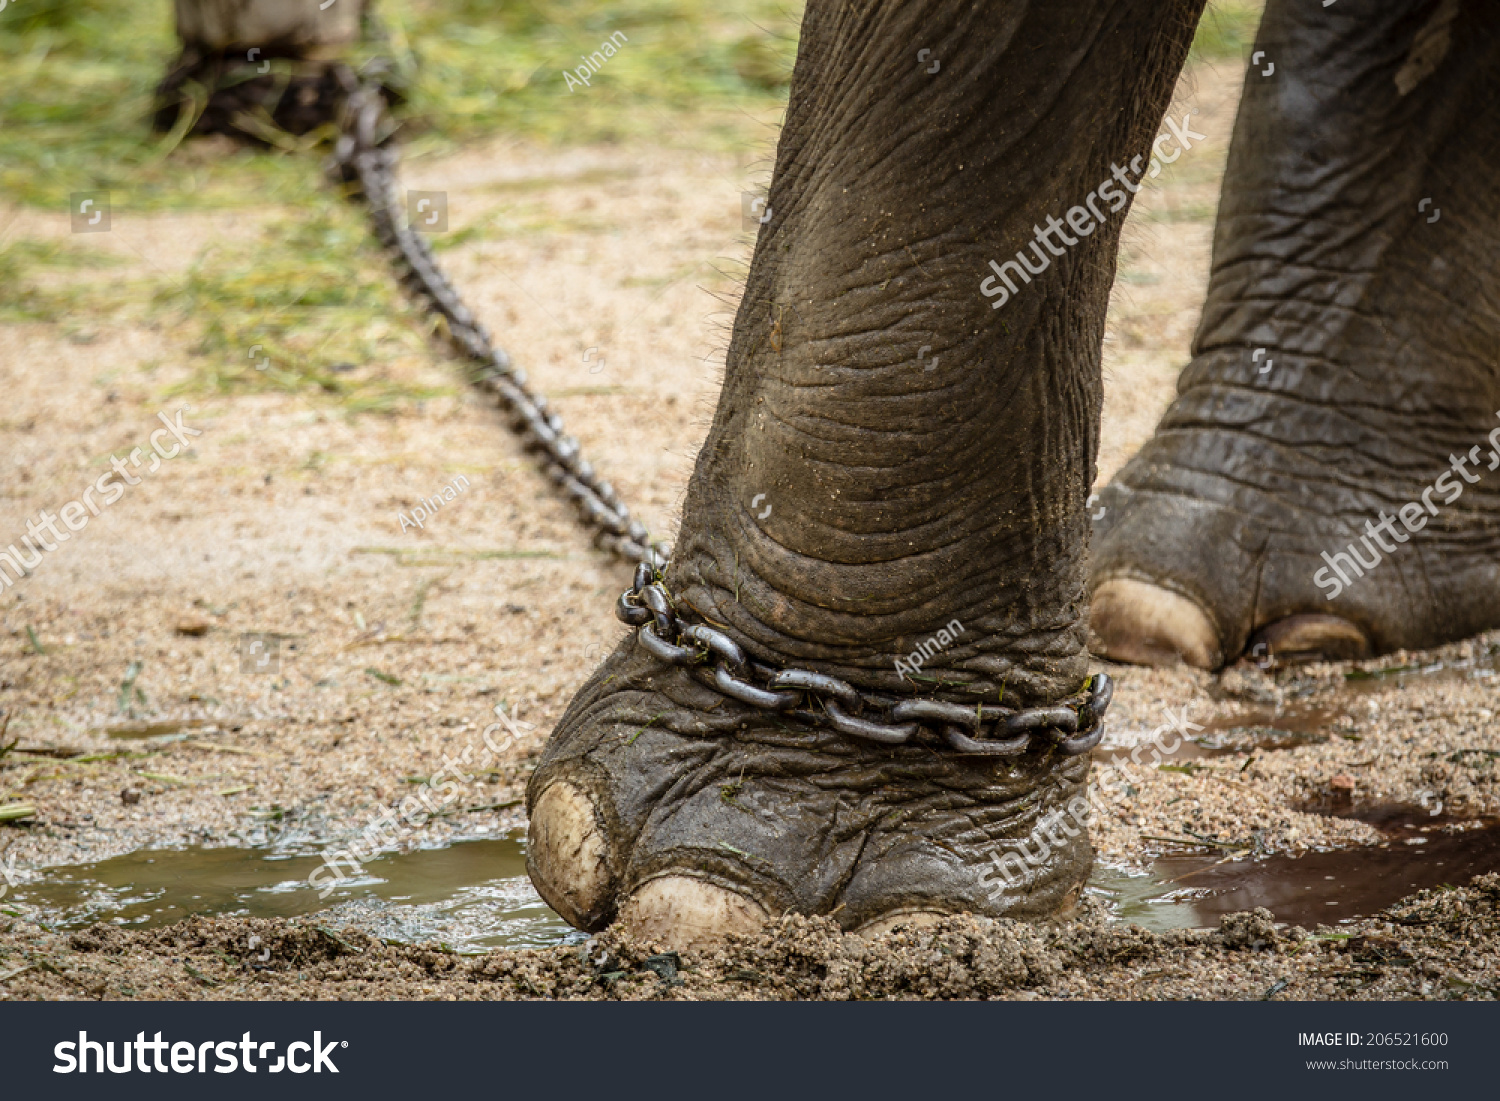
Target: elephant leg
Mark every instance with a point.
(1325, 484)
(892, 490)
(244, 63)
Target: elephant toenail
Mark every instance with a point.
(684, 911)
(1304, 638)
(1145, 624)
(567, 856)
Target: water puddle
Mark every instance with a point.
(1486, 667)
(472, 896)
(1419, 852)
(1307, 720)
(1256, 730)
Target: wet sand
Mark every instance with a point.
(1439, 945)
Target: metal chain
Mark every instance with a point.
(1074, 726)
(361, 155)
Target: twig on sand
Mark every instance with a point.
(1198, 844)
(225, 749)
(200, 976)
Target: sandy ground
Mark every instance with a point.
(395, 646)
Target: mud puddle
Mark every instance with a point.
(1263, 728)
(471, 896)
(1419, 852)
(474, 896)
(1482, 668)
(1256, 730)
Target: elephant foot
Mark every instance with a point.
(1326, 484)
(1256, 555)
(1148, 624)
(686, 816)
(250, 99)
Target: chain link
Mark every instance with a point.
(1073, 726)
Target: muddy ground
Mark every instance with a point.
(394, 646)
(1438, 945)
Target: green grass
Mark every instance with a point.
(313, 292)
(24, 297)
(29, 299)
(280, 313)
(482, 67)
(59, 254)
(74, 111)
(1227, 28)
